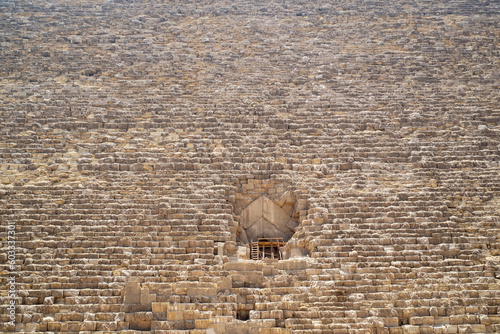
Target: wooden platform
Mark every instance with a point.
(267, 248)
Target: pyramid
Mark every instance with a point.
(144, 144)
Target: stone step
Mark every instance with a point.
(194, 331)
(78, 326)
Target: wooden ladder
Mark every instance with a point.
(254, 250)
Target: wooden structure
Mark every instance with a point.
(266, 248)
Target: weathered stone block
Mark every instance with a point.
(159, 307)
(202, 323)
(175, 315)
(410, 329)
(132, 293)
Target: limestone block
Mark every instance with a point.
(293, 264)
(145, 297)
(260, 331)
(201, 331)
(280, 331)
(31, 327)
(410, 329)
(477, 328)
(191, 314)
(244, 266)
(159, 307)
(276, 314)
(243, 251)
(140, 320)
(451, 329)
(466, 329)
(440, 321)
(395, 330)
(457, 319)
(291, 225)
(177, 315)
(217, 328)
(71, 293)
(225, 283)
(268, 323)
(202, 323)
(255, 278)
(274, 214)
(237, 327)
(196, 289)
(254, 315)
(392, 321)
(484, 319)
(252, 213)
(106, 326)
(88, 326)
(132, 293)
(161, 325)
(54, 326)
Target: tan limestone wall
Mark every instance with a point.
(133, 134)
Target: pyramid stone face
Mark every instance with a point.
(143, 144)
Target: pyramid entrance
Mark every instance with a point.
(267, 248)
(265, 227)
(266, 224)
(268, 211)
(264, 219)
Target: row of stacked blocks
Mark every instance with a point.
(289, 294)
(386, 272)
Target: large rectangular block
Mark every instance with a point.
(391, 321)
(457, 319)
(196, 289)
(202, 291)
(409, 329)
(191, 314)
(161, 325)
(159, 307)
(132, 293)
(244, 266)
(175, 315)
(201, 323)
(292, 264)
(225, 283)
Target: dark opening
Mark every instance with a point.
(243, 315)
